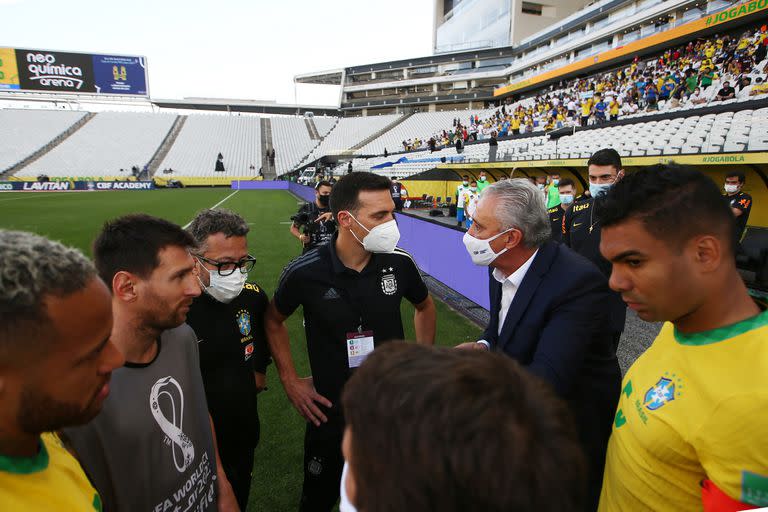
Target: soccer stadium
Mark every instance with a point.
(659, 91)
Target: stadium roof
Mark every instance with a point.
(239, 105)
(330, 77)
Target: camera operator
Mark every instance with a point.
(313, 225)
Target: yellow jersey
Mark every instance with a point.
(692, 407)
(51, 480)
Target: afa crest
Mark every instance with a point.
(660, 394)
(389, 284)
(244, 322)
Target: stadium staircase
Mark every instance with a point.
(381, 132)
(270, 173)
(166, 145)
(48, 147)
(312, 129)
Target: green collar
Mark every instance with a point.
(26, 465)
(722, 333)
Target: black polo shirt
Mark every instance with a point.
(741, 201)
(556, 214)
(232, 345)
(338, 300)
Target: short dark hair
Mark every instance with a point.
(606, 156)
(323, 183)
(674, 203)
(565, 182)
(737, 174)
(216, 220)
(458, 430)
(133, 243)
(346, 192)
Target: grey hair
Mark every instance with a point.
(32, 268)
(211, 221)
(521, 205)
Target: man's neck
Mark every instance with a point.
(317, 203)
(512, 260)
(731, 194)
(135, 340)
(351, 252)
(728, 304)
(18, 444)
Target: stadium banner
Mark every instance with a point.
(757, 157)
(71, 186)
(439, 251)
(51, 71)
(718, 18)
(120, 75)
(9, 72)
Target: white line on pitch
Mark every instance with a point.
(214, 206)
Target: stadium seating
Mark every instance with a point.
(325, 124)
(203, 137)
(110, 141)
(22, 132)
(291, 141)
(350, 131)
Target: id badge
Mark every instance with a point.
(359, 346)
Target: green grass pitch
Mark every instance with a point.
(75, 218)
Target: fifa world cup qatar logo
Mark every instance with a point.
(181, 446)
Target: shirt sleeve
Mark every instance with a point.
(743, 203)
(738, 467)
(288, 293)
(415, 288)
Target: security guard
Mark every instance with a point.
(350, 290)
(566, 190)
(581, 231)
(739, 201)
(229, 322)
(313, 225)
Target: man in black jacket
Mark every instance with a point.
(228, 319)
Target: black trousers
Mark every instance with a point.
(323, 464)
(236, 453)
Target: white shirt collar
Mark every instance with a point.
(516, 277)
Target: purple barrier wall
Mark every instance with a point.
(303, 191)
(439, 251)
(260, 185)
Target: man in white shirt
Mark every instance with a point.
(548, 311)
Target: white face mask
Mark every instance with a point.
(480, 250)
(731, 188)
(598, 189)
(382, 238)
(566, 198)
(224, 288)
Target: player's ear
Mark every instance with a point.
(124, 286)
(708, 252)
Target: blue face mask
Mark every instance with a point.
(596, 190)
(566, 199)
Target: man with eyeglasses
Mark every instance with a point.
(228, 321)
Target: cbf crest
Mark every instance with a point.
(663, 392)
(244, 322)
(388, 281)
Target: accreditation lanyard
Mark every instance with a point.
(359, 342)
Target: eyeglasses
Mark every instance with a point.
(227, 268)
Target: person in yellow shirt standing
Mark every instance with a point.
(586, 110)
(55, 362)
(690, 428)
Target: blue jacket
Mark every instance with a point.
(558, 328)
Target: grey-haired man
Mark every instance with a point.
(228, 319)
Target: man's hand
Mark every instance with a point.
(471, 345)
(227, 501)
(261, 381)
(302, 394)
(324, 217)
(304, 239)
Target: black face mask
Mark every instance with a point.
(324, 200)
